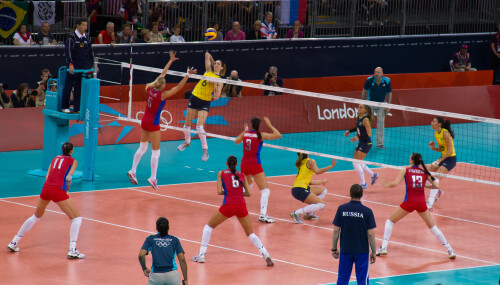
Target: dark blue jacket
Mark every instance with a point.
(79, 51)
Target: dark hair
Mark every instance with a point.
(222, 72)
(231, 162)
(356, 191)
(417, 160)
(155, 16)
(302, 156)
(81, 20)
(20, 26)
(256, 125)
(20, 89)
(67, 147)
(162, 226)
(445, 124)
(45, 70)
(369, 112)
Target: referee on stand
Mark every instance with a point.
(354, 223)
(79, 55)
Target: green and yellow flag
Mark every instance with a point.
(11, 16)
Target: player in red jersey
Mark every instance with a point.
(55, 188)
(415, 178)
(233, 189)
(150, 124)
(251, 165)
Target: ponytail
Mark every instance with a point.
(255, 126)
(445, 124)
(162, 226)
(67, 147)
(231, 162)
(417, 160)
(302, 156)
(156, 84)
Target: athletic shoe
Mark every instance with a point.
(364, 186)
(204, 157)
(451, 254)
(296, 217)
(374, 178)
(310, 216)
(200, 258)
(75, 254)
(67, 111)
(381, 251)
(13, 247)
(268, 259)
(182, 146)
(132, 177)
(265, 219)
(153, 183)
(381, 146)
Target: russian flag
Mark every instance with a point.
(293, 10)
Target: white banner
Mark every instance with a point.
(45, 11)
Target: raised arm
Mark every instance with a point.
(209, 62)
(179, 86)
(396, 181)
(311, 164)
(239, 138)
(270, 136)
(169, 63)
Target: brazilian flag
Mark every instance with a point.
(12, 14)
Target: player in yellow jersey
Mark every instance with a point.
(306, 190)
(444, 137)
(200, 99)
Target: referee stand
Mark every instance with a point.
(56, 126)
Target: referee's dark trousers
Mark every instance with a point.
(73, 80)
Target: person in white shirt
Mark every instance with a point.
(176, 37)
(22, 37)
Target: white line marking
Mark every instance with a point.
(199, 169)
(211, 171)
(395, 206)
(187, 166)
(188, 240)
(314, 226)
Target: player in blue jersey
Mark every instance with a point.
(363, 135)
(164, 248)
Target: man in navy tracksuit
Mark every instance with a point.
(355, 223)
(79, 55)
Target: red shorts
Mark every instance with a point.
(412, 206)
(238, 210)
(251, 168)
(54, 194)
(148, 126)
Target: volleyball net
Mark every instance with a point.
(315, 123)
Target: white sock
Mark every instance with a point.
(432, 196)
(155, 156)
(310, 208)
(143, 147)
(73, 232)
(439, 235)
(203, 136)
(360, 172)
(367, 169)
(323, 194)
(258, 244)
(264, 199)
(187, 134)
(387, 233)
(28, 224)
(205, 239)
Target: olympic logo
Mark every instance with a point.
(165, 121)
(162, 243)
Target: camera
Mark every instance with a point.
(4, 85)
(32, 93)
(234, 78)
(269, 76)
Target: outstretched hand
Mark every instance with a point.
(245, 127)
(172, 55)
(267, 121)
(346, 134)
(191, 70)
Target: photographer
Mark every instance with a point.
(5, 102)
(43, 86)
(23, 97)
(230, 90)
(271, 79)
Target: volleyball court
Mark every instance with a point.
(117, 221)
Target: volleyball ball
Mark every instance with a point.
(210, 34)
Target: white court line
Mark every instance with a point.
(395, 206)
(149, 232)
(314, 226)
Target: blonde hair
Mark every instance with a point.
(156, 84)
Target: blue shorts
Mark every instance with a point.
(300, 193)
(364, 147)
(449, 163)
(198, 104)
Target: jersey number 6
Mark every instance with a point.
(236, 183)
